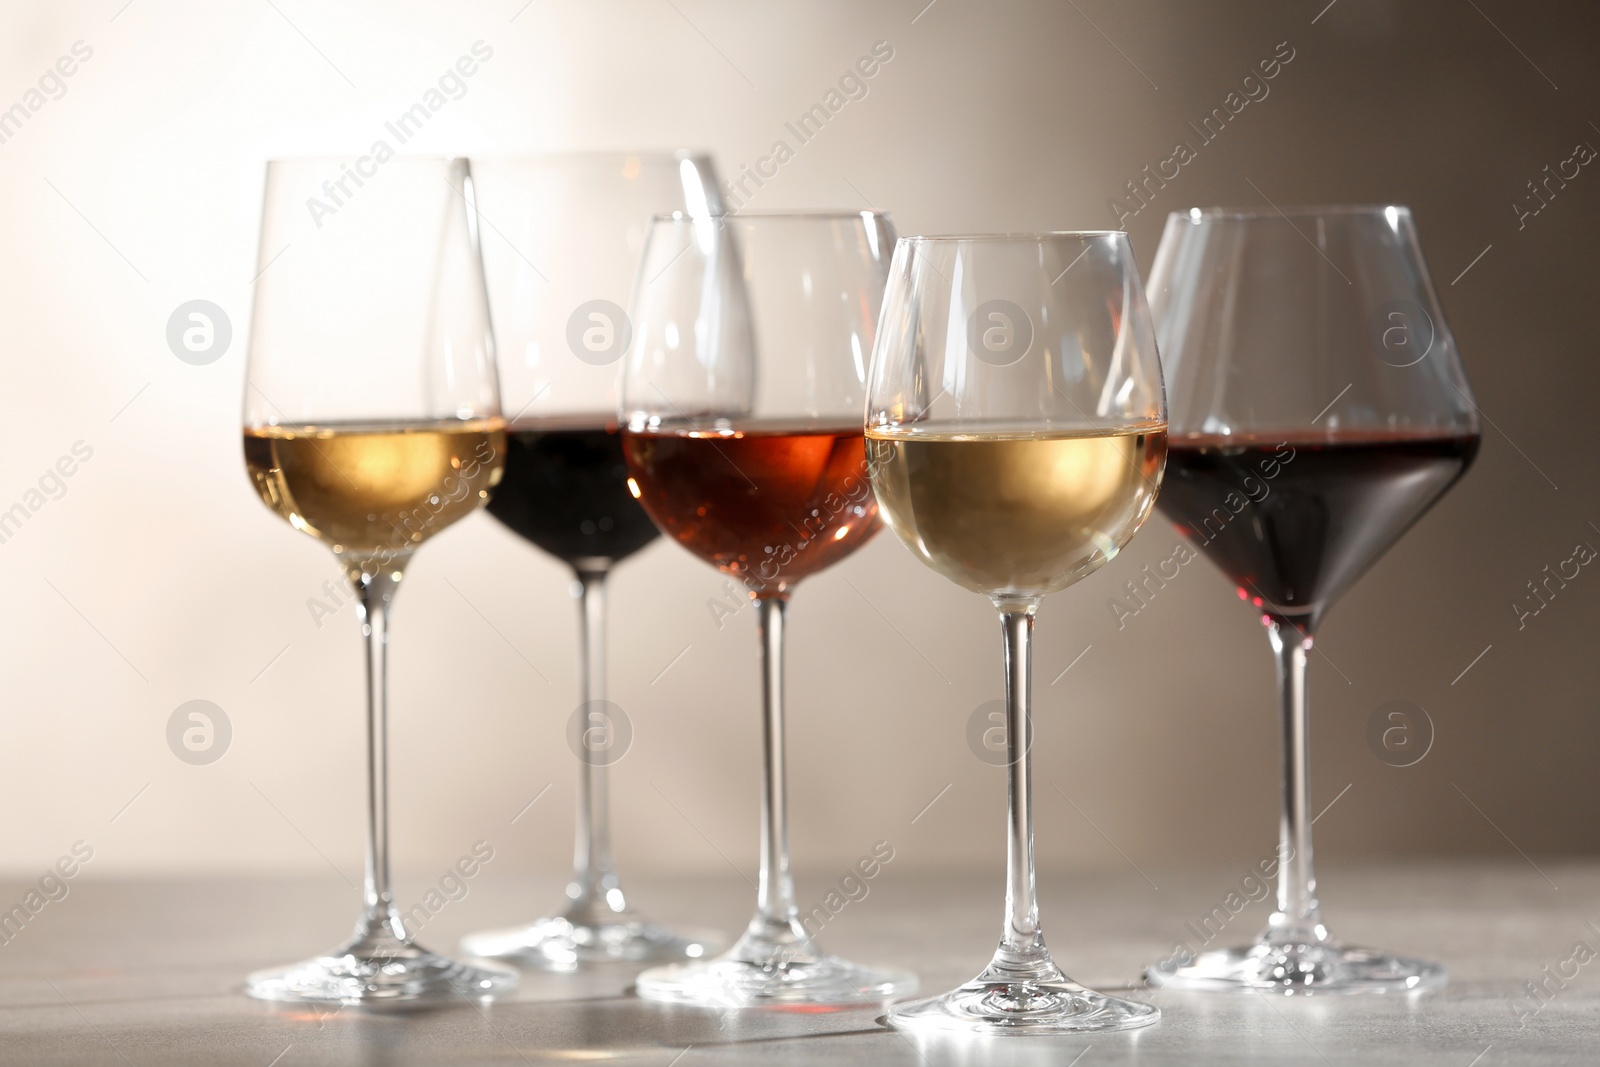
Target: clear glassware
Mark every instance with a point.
(741, 407)
(565, 233)
(1318, 410)
(371, 422)
(1015, 431)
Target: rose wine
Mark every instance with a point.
(566, 490)
(369, 491)
(768, 504)
(1016, 514)
(1294, 522)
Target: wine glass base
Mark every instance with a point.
(1299, 970)
(375, 975)
(734, 982)
(559, 944)
(1025, 1009)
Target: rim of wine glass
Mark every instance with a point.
(770, 216)
(1302, 211)
(674, 155)
(400, 157)
(973, 238)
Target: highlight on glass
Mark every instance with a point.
(568, 232)
(741, 410)
(1319, 409)
(371, 423)
(1016, 430)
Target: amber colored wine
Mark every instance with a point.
(768, 505)
(375, 491)
(1016, 514)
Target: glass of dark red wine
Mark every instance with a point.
(563, 241)
(741, 409)
(1318, 408)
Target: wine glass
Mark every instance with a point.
(566, 232)
(372, 422)
(1015, 432)
(741, 407)
(1318, 409)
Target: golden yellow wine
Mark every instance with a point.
(375, 492)
(1016, 514)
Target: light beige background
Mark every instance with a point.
(158, 578)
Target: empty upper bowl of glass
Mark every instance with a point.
(1318, 410)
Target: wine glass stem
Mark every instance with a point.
(1297, 920)
(595, 891)
(775, 906)
(1022, 955)
(374, 599)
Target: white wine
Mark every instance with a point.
(375, 492)
(1016, 514)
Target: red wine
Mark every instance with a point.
(566, 490)
(767, 505)
(1294, 522)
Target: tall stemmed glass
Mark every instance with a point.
(1318, 409)
(742, 405)
(1015, 430)
(372, 422)
(566, 233)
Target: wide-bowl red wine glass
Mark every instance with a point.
(1318, 408)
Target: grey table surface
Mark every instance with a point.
(150, 972)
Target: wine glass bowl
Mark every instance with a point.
(741, 409)
(566, 232)
(1318, 410)
(371, 423)
(1016, 429)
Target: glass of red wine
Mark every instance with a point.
(741, 410)
(1318, 408)
(565, 235)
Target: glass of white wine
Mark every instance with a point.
(1016, 433)
(371, 422)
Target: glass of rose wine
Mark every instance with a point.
(568, 230)
(741, 410)
(1015, 432)
(372, 422)
(1318, 410)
